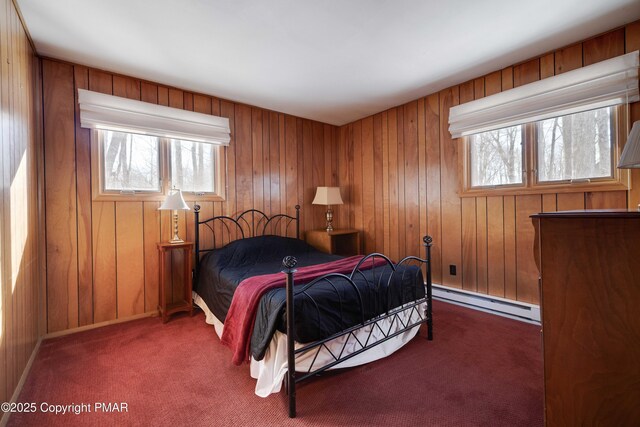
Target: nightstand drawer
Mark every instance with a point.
(339, 242)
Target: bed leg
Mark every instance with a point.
(429, 312)
(427, 241)
(292, 395)
(196, 212)
(289, 264)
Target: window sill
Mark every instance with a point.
(546, 189)
(203, 198)
(145, 197)
(128, 197)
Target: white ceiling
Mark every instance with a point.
(329, 60)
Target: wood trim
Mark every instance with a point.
(153, 313)
(548, 189)
(24, 27)
(23, 378)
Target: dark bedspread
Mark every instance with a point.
(320, 311)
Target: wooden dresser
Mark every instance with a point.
(589, 264)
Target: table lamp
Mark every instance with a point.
(174, 202)
(328, 196)
(630, 158)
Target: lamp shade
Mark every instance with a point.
(630, 157)
(327, 196)
(174, 202)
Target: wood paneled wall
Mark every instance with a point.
(21, 237)
(400, 173)
(103, 262)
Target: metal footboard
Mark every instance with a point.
(410, 312)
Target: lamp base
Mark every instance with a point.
(329, 219)
(176, 239)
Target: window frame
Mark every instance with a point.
(101, 170)
(219, 162)
(531, 184)
(468, 172)
(98, 180)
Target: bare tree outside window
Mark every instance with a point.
(131, 161)
(576, 146)
(193, 166)
(138, 166)
(565, 150)
(496, 157)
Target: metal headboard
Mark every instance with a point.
(250, 223)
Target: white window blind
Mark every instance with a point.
(101, 111)
(606, 83)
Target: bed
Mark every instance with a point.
(291, 311)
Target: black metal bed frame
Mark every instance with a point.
(411, 311)
(243, 221)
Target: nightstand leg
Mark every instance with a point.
(188, 280)
(162, 307)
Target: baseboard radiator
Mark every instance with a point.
(496, 305)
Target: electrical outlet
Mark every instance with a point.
(452, 270)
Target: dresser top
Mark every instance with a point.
(591, 213)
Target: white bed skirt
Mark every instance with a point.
(270, 371)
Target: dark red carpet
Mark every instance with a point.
(481, 370)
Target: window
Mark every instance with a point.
(130, 165)
(576, 150)
(141, 150)
(496, 157)
(565, 131)
(576, 147)
(131, 162)
(194, 166)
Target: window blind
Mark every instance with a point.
(101, 111)
(606, 83)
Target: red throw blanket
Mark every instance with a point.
(238, 325)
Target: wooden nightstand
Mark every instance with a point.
(186, 302)
(339, 242)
